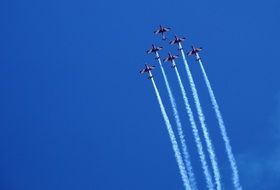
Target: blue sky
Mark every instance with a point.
(76, 114)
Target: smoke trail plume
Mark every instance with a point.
(173, 140)
(202, 157)
(235, 176)
(179, 128)
(201, 117)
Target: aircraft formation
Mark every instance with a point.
(212, 174)
(177, 41)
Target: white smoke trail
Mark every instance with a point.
(201, 117)
(235, 176)
(196, 134)
(173, 140)
(179, 128)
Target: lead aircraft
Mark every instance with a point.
(162, 31)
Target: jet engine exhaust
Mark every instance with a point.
(173, 140)
(185, 152)
(198, 142)
(235, 176)
(201, 117)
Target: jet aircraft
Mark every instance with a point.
(194, 51)
(171, 58)
(148, 69)
(177, 40)
(162, 31)
(154, 49)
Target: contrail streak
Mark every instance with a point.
(173, 140)
(201, 117)
(235, 176)
(195, 133)
(179, 128)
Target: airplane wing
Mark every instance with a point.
(199, 49)
(160, 48)
(176, 56)
(152, 67)
(157, 31)
(142, 71)
(166, 59)
(182, 39)
(172, 42)
(190, 53)
(166, 29)
(150, 51)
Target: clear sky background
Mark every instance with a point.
(76, 113)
